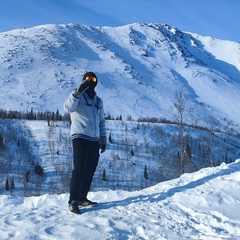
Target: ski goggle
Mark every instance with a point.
(89, 78)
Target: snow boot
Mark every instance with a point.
(73, 207)
(87, 204)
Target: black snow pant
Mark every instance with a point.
(85, 161)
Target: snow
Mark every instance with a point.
(201, 205)
(140, 67)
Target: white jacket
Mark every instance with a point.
(87, 116)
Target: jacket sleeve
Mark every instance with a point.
(71, 103)
(102, 126)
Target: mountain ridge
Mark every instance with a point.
(140, 67)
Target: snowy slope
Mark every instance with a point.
(140, 66)
(202, 205)
(132, 148)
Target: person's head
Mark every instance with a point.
(90, 76)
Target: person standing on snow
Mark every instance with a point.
(88, 136)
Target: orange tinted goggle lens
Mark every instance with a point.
(93, 79)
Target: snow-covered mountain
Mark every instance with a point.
(140, 68)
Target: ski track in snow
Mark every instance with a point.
(201, 205)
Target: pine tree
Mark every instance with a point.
(27, 176)
(132, 152)
(188, 150)
(1, 143)
(7, 185)
(145, 173)
(110, 138)
(12, 185)
(39, 170)
(104, 176)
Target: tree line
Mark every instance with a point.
(32, 115)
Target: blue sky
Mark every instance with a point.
(216, 18)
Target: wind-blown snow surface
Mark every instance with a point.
(202, 205)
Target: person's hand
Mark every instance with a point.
(83, 86)
(102, 143)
